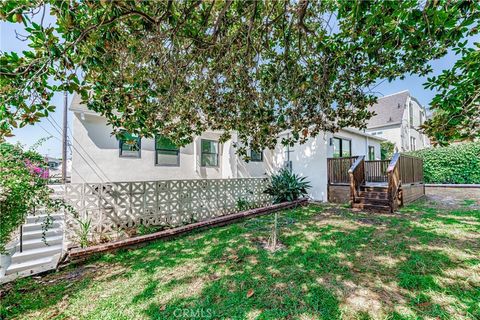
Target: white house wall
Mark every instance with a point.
(96, 158)
(422, 140)
(310, 159)
(392, 134)
(399, 133)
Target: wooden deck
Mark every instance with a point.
(380, 185)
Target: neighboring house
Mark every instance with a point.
(100, 157)
(55, 167)
(398, 119)
(53, 163)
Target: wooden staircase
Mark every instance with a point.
(373, 198)
(377, 185)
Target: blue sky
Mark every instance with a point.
(52, 126)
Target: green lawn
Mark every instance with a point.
(422, 263)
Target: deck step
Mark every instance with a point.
(373, 207)
(373, 195)
(370, 200)
(374, 188)
(28, 265)
(32, 254)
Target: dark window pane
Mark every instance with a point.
(209, 153)
(256, 156)
(209, 146)
(129, 145)
(162, 142)
(336, 148)
(371, 153)
(346, 152)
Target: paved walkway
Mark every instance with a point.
(454, 196)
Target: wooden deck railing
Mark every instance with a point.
(337, 169)
(389, 174)
(411, 169)
(394, 182)
(357, 177)
(376, 170)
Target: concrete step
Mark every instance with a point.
(32, 254)
(38, 226)
(37, 234)
(39, 243)
(28, 265)
(40, 218)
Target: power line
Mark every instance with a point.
(53, 136)
(57, 127)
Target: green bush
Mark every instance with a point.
(386, 150)
(453, 164)
(23, 186)
(286, 186)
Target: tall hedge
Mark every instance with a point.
(458, 163)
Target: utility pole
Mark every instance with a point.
(64, 138)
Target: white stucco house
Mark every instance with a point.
(398, 118)
(100, 157)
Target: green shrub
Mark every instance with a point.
(286, 186)
(23, 186)
(453, 164)
(243, 204)
(386, 150)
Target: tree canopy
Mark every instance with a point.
(256, 68)
(456, 107)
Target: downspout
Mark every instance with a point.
(409, 125)
(195, 158)
(366, 145)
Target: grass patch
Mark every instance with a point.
(420, 263)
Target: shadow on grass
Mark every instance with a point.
(28, 294)
(335, 262)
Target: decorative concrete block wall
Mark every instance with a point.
(117, 206)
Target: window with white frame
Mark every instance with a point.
(209, 153)
(412, 143)
(371, 153)
(166, 152)
(410, 109)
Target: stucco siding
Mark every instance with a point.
(393, 134)
(310, 159)
(96, 157)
